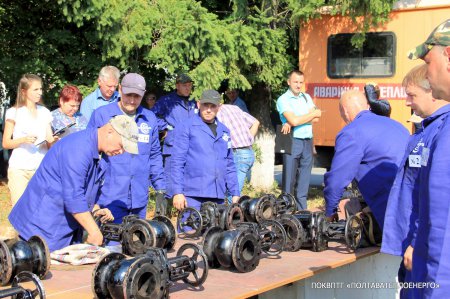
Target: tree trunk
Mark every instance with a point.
(260, 106)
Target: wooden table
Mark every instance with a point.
(273, 272)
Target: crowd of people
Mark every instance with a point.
(403, 179)
(98, 156)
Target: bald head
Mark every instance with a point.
(352, 102)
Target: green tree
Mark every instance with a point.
(251, 43)
(37, 38)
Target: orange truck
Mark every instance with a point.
(332, 65)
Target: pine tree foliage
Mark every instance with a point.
(247, 41)
(182, 35)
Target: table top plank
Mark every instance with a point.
(69, 282)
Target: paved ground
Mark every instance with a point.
(316, 175)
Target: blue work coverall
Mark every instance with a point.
(127, 181)
(172, 110)
(202, 164)
(66, 183)
(431, 242)
(400, 214)
(369, 149)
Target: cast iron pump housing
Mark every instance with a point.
(148, 275)
(267, 206)
(137, 235)
(192, 223)
(241, 247)
(17, 256)
(18, 291)
(312, 230)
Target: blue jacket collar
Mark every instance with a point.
(443, 110)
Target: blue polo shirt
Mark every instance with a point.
(66, 182)
(299, 105)
(95, 100)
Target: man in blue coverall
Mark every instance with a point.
(172, 110)
(368, 149)
(431, 240)
(202, 167)
(61, 195)
(127, 181)
(402, 209)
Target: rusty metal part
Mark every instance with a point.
(353, 232)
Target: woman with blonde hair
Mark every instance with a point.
(28, 133)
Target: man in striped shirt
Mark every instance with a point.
(243, 128)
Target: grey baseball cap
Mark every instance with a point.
(133, 83)
(210, 96)
(183, 78)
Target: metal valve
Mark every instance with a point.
(241, 247)
(192, 223)
(17, 256)
(258, 209)
(137, 235)
(307, 229)
(267, 206)
(148, 275)
(18, 291)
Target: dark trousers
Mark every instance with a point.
(297, 170)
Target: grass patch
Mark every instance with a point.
(315, 198)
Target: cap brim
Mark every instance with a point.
(128, 90)
(419, 52)
(209, 102)
(130, 146)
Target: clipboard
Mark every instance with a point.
(63, 129)
(283, 142)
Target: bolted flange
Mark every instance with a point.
(32, 256)
(147, 275)
(239, 248)
(285, 204)
(258, 209)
